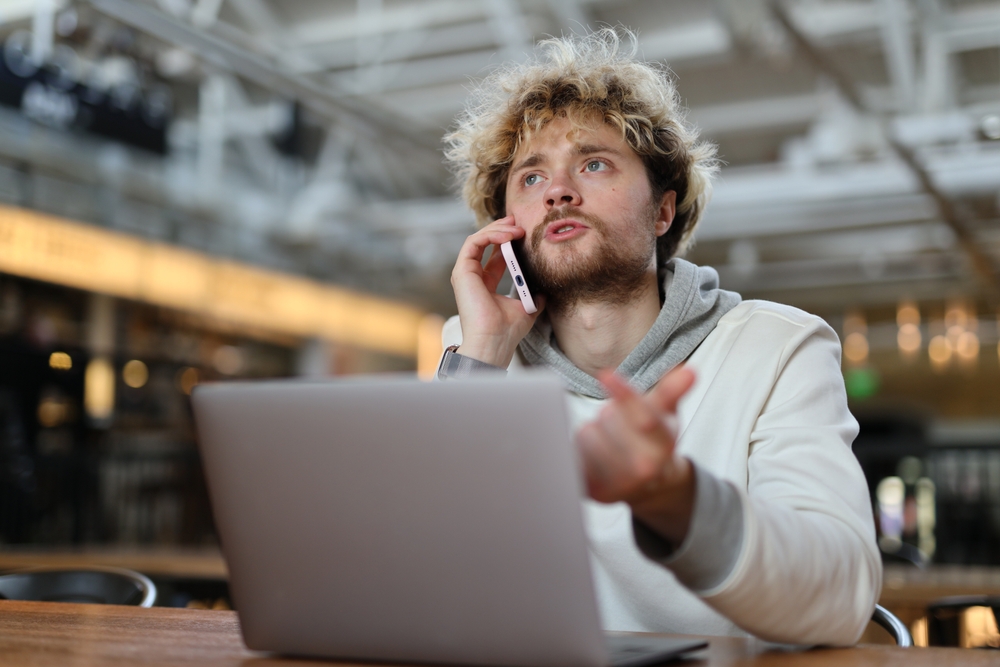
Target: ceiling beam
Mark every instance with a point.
(982, 263)
(897, 44)
(832, 19)
(324, 100)
(688, 41)
(413, 45)
(819, 273)
(759, 114)
(256, 14)
(725, 223)
(12, 11)
(413, 16)
(972, 28)
(509, 27)
(206, 12)
(570, 15)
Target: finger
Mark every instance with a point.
(504, 224)
(475, 246)
(618, 466)
(647, 441)
(493, 233)
(634, 410)
(587, 444)
(598, 465)
(494, 268)
(670, 389)
(539, 300)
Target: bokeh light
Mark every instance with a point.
(135, 374)
(187, 380)
(854, 322)
(99, 389)
(907, 313)
(939, 350)
(856, 348)
(60, 361)
(228, 360)
(909, 338)
(967, 346)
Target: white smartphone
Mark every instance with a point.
(519, 283)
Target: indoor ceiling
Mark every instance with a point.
(861, 137)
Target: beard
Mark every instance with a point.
(615, 271)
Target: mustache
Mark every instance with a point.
(564, 213)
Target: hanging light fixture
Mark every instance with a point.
(939, 350)
(908, 338)
(855, 338)
(967, 347)
(99, 389)
(135, 374)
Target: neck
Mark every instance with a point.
(599, 335)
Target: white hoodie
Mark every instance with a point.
(767, 427)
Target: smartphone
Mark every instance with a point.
(520, 284)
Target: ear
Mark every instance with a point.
(665, 213)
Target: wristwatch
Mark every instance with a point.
(454, 365)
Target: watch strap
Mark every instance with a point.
(456, 366)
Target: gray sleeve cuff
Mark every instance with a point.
(709, 552)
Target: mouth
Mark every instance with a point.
(564, 229)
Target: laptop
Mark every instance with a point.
(392, 520)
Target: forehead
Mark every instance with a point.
(562, 133)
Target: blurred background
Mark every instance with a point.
(195, 190)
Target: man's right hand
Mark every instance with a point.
(492, 324)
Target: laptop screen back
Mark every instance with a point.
(394, 520)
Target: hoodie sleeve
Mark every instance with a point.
(809, 570)
(714, 541)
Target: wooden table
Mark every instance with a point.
(41, 634)
(906, 591)
(908, 587)
(198, 563)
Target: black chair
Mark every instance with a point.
(90, 585)
(893, 626)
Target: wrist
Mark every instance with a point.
(667, 508)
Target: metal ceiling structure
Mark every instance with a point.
(855, 133)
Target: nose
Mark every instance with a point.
(561, 192)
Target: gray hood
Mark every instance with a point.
(692, 307)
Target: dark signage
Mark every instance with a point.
(52, 94)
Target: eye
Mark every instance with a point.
(531, 179)
(596, 165)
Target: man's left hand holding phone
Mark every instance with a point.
(492, 324)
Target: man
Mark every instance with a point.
(728, 499)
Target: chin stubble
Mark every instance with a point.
(615, 272)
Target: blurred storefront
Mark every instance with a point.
(96, 436)
(923, 382)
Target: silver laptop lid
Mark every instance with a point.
(395, 520)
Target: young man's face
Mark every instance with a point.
(584, 199)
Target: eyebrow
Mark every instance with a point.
(590, 149)
(532, 160)
(536, 159)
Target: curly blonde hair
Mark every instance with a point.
(579, 77)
